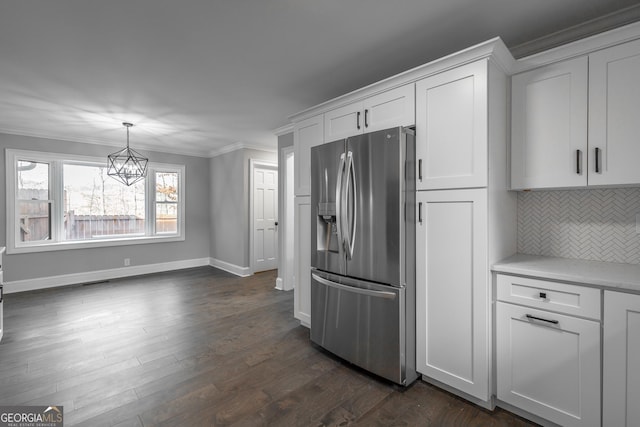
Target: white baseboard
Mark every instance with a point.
(280, 284)
(99, 275)
(231, 268)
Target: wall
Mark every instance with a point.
(20, 267)
(229, 222)
(597, 225)
(285, 140)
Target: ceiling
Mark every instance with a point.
(200, 77)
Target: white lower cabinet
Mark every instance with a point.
(621, 360)
(302, 261)
(548, 363)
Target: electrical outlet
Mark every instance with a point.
(127, 262)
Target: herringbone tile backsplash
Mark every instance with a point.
(597, 225)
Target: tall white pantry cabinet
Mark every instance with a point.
(306, 134)
(466, 221)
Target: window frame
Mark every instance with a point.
(56, 190)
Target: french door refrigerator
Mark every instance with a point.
(363, 251)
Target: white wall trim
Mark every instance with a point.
(230, 268)
(100, 275)
(279, 284)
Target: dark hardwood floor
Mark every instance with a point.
(197, 347)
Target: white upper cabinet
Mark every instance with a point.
(614, 115)
(343, 122)
(395, 107)
(576, 123)
(549, 126)
(306, 134)
(451, 128)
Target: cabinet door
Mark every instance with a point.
(451, 128)
(302, 261)
(306, 134)
(614, 115)
(343, 122)
(546, 368)
(452, 294)
(621, 360)
(396, 107)
(549, 126)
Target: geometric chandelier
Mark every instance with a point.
(127, 165)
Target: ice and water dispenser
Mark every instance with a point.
(327, 233)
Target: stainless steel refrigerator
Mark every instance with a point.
(363, 251)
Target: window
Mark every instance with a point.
(64, 202)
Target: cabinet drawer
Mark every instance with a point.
(559, 297)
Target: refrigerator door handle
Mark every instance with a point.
(339, 203)
(367, 292)
(352, 217)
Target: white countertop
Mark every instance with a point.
(608, 275)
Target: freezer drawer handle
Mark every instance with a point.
(531, 317)
(367, 292)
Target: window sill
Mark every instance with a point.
(102, 243)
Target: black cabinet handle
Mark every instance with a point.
(366, 118)
(529, 316)
(578, 157)
(358, 120)
(420, 169)
(420, 212)
(598, 160)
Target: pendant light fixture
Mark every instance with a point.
(127, 165)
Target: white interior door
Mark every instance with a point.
(264, 216)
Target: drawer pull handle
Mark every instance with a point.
(530, 317)
(543, 295)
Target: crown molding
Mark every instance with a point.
(283, 130)
(95, 141)
(577, 32)
(240, 146)
(493, 48)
